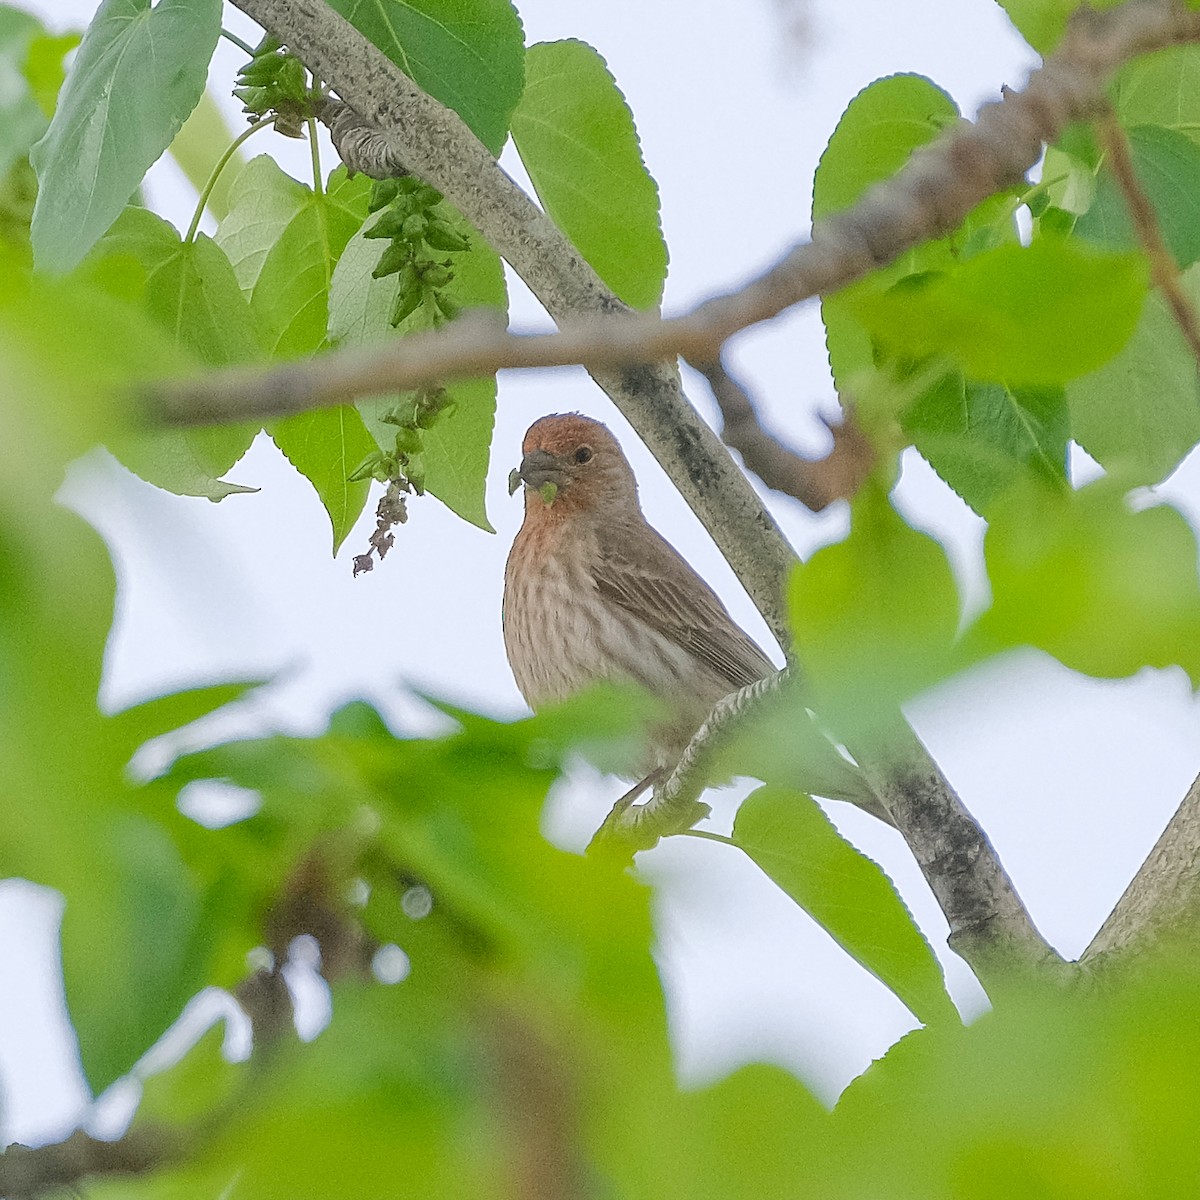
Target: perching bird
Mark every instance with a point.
(593, 592)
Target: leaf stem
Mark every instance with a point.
(707, 836)
(237, 41)
(316, 155)
(230, 151)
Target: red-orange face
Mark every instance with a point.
(581, 459)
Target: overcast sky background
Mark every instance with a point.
(1072, 779)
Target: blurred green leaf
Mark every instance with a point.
(877, 134)
(790, 838)
(1139, 414)
(456, 448)
(195, 1087)
(1167, 165)
(875, 618)
(1066, 1096)
(469, 54)
(134, 945)
(325, 445)
(21, 119)
(981, 437)
(1162, 88)
(1042, 22)
(133, 928)
(138, 74)
(45, 68)
(576, 137)
(1027, 316)
(780, 743)
(162, 714)
(1103, 588)
(755, 1134)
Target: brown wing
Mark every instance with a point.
(640, 570)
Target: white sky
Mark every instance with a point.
(1072, 779)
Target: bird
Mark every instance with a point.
(592, 592)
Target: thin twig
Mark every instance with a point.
(1164, 270)
(675, 804)
(815, 482)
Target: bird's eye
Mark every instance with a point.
(583, 454)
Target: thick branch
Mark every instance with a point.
(1160, 909)
(989, 925)
(930, 197)
(434, 143)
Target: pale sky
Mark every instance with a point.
(1072, 779)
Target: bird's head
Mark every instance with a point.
(571, 463)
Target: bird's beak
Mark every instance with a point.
(538, 468)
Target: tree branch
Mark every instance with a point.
(927, 198)
(816, 483)
(433, 142)
(989, 925)
(930, 196)
(1161, 906)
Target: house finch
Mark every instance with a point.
(593, 592)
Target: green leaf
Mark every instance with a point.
(875, 619)
(132, 960)
(262, 200)
(1102, 588)
(131, 942)
(284, 242)
(1161, 89)
(190, 287)
(139, 72)
(745, 1131)
(1139, 414)
(1042, 22)
(982, 437)
(848, 895)
(876, 136)
(1167, 165)
(190, 291)
(45, 68)
(21, 119)
(1024, 1101)
(163, 714)
(457, 447)
(469, 54)
(576, 137)
(325, 445)
(1033, 316)
(291, 291)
